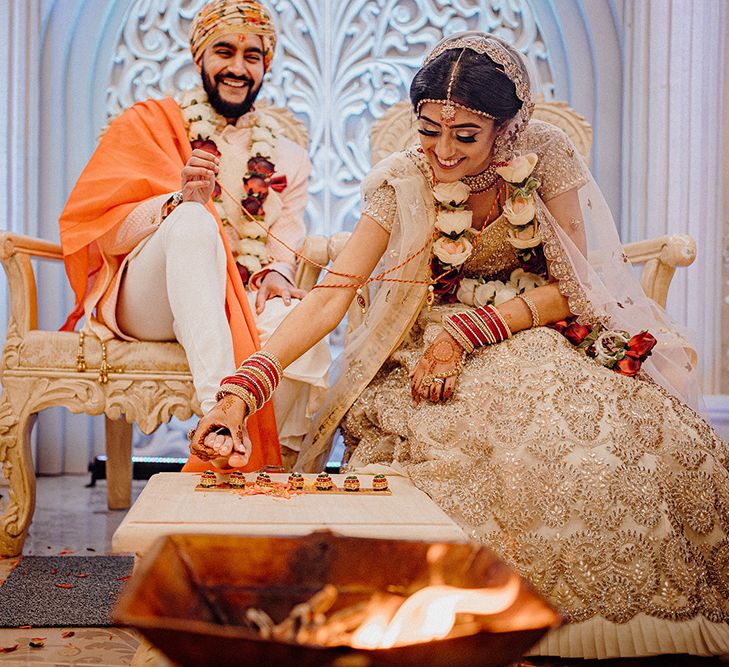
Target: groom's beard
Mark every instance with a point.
(229, 109)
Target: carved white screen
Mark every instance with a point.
(338, 66)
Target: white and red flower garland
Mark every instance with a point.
(451, 248)
(617, 350)
(204, 126)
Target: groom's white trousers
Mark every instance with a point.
(174, 289)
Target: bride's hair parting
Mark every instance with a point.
(480, 84)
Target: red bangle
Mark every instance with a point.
(269, 370)
(488, 315)
(482, 326)
(250, 384)
(469, 330)
(260, 374)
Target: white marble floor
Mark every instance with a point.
(69, 518)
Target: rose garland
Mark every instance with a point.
(477, 292)
(450, 247)
(617, 349)
(519, 208)
(204, 125)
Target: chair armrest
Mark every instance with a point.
(675, 250)
(661, 256)
(15, 254)
(321, 250)
(27, 245)
(336, 243)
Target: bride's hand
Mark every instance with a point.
(434, 376)
(221, 436)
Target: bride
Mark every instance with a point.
(512, 367)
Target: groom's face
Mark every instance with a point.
(457, 148)
(232, 71)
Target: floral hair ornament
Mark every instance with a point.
(222, 17)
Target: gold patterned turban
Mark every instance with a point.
(222, 17)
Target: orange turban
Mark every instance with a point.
(222, 17)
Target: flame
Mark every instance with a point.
(429, 614)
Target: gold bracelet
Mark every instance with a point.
(241, 393)
(265, 354)
(261, 375)
(460, 337)
(532, 309)
(483, 328)
(272, 358)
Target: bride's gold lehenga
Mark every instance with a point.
(606, 492)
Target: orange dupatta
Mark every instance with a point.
(141, 155)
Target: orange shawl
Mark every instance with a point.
(141, 155)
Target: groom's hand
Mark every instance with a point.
(272, 285)
(198, 176)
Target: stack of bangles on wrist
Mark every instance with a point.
(474, 328)
(254, 382)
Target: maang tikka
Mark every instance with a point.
(448, 106)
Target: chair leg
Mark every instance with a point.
(118, 463)
(17, 460)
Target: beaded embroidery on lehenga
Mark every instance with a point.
(606, 492)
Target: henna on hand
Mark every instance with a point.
(443, 351)
(435, 386)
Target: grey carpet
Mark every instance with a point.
(31, 594)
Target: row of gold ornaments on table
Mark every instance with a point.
(323, 482)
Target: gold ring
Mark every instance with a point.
(438, 381)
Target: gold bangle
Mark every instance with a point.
(261, 375)
(241, 393)
(460, 337)
(498, 314)
(272, 358)
(483, 328)
(532, 309)
(265, 355)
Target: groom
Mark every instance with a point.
(156, 250)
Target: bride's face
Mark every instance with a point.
(457, 148)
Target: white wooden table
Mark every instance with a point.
(169, 504)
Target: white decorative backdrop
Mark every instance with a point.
(69, 64)
(354, 57)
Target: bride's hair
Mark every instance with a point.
(479, 83)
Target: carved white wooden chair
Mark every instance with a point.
(396, 130)
(142, 382)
